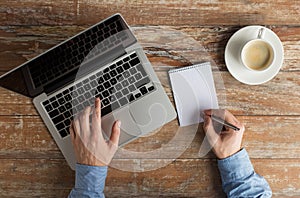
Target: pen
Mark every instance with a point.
(221, 121)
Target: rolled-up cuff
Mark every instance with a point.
(235, 167)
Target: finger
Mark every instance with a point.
(76, 127)
(96, 122)
(230, 117)
(85, 123)
(115, 134)
(208, 112)
(98, 108)
(72, 133)
(211, 134)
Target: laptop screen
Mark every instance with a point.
(61, 63)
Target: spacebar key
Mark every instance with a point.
(142, 82)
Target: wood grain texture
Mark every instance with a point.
(19, 44)
(182, 178)
(173, 12)
(26, 137)
(173, 33)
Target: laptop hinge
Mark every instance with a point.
(85, 69)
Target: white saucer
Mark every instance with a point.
(233, 61)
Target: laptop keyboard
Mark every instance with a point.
(119, 84)
(68, 56)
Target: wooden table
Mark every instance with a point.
(31, 165)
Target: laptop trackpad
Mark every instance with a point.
(129, 129)
(148, 115)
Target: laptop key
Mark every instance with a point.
(112, 98)
(138, 76)
(55, 104)
(133, 55)
(132, 70)
(67, 122)
(101, 80)
(118, 95)
(74, 94)
(134, 61)
(131, 88)
(140, 68)
(63, 133)
(80, 99)
(60, 126)
(131, 80)
(75, 102)
(79, 108)
(118, 86)
(87, 87)
(123, 101)
(126, 59)
(113, 81)
(46, 102)
(68, 97)
(126, 74)
(120, 69)
(111, 90)
(106, 85)
(106, 76)
(115, 105)
(125, 91)
(105, 102)
(130, 97)
(142, 82)
(67, 114)
(143, 90)
(52, 99)
(94, 83)
(125, 83)
(106, 110)
(87, 95)
(119, 63)
(151, 88)
(48, 108)
(105, 93)
(65, 92)
(58, 119)
(138, 95)
(112, 66)
(62, 109)
(53, 113)
(80, 90)
(126, 66)
(68, 106)
(113, 73)
(85, 81)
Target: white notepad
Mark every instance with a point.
(194, 91)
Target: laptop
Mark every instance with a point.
(103, 61)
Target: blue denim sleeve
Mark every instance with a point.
(89, 181)
(239, 179)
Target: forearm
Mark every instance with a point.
(239, 178)
(90, 181)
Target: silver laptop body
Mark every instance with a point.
(115, 69)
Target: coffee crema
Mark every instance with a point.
(257, 55)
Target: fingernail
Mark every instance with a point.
(119, 123)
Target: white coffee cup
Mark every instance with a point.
(258, 54)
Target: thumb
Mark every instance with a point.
(115, 134)
(210, 132)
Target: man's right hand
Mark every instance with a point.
(228, 141)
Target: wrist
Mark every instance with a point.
(224, 155)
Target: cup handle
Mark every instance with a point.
(260, 33)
